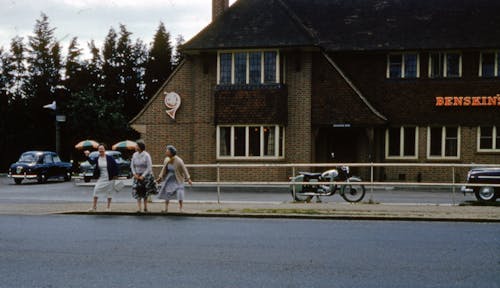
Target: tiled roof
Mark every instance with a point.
(337, 25)
(251, 24)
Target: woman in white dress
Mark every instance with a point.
(105, 171)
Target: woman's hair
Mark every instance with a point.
(172, 150)
(141, 145)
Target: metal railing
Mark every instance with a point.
(371, 183)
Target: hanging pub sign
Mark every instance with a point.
(468, 100)
(173, 102)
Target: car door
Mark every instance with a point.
(50, 168)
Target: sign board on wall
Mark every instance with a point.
(468, 100)
(173, 102)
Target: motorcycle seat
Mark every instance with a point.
(310, 175)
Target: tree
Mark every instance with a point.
(159, 62)
(44, 59)
(177, 58)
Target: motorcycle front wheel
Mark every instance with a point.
(353, 192)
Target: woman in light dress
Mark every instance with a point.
(144, 182)
(105, 171)
(174, 174)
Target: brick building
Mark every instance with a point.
(290, 81)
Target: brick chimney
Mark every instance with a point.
(218, 7)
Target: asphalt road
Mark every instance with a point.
(30, 191)
(107, 251)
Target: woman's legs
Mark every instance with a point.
(180, 205)
(94, 204)
(166, 205)
(139, 205)
(109, 203)
(145, 204)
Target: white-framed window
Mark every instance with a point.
(248, 67)
(488, 139)
(403, 65)
(250, 141)
(489, 64)
(443, 142)
(445, 65)
(401, 142)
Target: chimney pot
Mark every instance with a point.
(218, 8)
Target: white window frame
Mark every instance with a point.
(248, 64)
(403, 68)
(494, 140)
(401, 144)
(445, 64)
(443, 143)
(247, 143)
(495, 69)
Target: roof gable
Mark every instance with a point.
(251, 24)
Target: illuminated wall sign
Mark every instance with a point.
(173, 102)
(468, 100)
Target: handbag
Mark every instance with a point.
(118, 185)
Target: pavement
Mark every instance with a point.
(337, 211)
(465, 212)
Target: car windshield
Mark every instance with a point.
(28, 158)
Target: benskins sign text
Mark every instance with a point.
(468, 100)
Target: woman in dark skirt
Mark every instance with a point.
(144, 182)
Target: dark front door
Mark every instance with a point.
(349, 145)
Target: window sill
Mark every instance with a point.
(447, 159)
(484, 152)
(226, 87)
(250, 159)
(393, 158)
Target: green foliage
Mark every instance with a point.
(98, 95)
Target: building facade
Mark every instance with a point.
(291, 81)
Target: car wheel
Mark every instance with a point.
(18, 181)
(67, 177)
(42, 179)
(86, 179)
(485, 194)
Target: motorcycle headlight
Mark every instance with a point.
(346, 169)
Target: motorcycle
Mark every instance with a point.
(348, 189)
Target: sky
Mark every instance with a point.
(92, 19)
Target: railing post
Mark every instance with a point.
(453, 180)
(293, 185)
(218, 184)
(371, 182)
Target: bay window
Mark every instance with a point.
(252, 141)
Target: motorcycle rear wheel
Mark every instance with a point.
(301, 198)
(353, 192)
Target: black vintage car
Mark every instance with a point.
(487, 176)
(40, 166)
(87, 170)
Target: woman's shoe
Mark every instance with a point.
(146, 211)
(92, 210)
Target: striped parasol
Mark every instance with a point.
(87, 144)
(124, 145)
